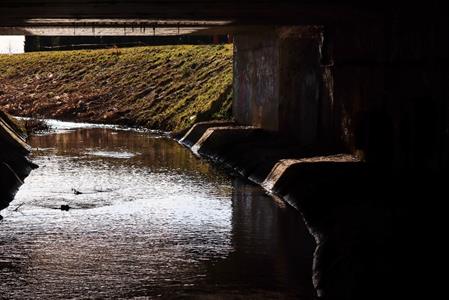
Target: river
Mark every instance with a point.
(146, 219)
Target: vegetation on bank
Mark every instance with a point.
(163, 87)
(17, 125)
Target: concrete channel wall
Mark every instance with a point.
(363, 219)
(349, 124)
(278, 82)
(374, 89)
(14, 165)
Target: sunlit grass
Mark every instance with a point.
(164, 87)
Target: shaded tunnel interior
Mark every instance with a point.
(374, 88)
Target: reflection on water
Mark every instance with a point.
(146, 218)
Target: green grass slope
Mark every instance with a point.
(164, 87)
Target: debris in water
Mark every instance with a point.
(18, 206)
(36, 126)
(76, 192)
(65, 207)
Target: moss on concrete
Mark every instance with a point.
(164, 87)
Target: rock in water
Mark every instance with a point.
(76, 192)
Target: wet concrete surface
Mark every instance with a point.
(146, 218)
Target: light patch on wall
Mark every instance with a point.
(12, 44)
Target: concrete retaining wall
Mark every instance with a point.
(278, 83)
(364, 220)
(376, 89)
(14, 165)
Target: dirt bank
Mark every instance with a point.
(167, 87)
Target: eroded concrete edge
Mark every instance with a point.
(14, 164)
(213, 137)
(197, 130)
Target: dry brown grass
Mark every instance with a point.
(164, 87)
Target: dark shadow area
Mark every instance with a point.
(375, 232)
(53, 43)
(14, 165)
(276, 255)
(375, 226)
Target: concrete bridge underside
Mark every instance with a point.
(16, 12)
(366, 79)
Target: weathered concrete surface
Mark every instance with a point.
(251, 151)
(256, 80)
(280, 169)
(364, 221)
(377, 89)
(196, 131)
(18, 12)
(216, 138)
(14, 166)
(374, 90)
(374, 231)
(258, 154)
(279, 85)
(389, 92)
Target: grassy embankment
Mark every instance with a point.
(168, 87)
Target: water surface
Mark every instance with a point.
(146, 219)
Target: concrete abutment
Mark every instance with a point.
(348, 123)
(375, 90)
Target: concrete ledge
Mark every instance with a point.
(250, 151)
(279, 170)
(10, 136)
(349, 207)
(14, 165)
(278, 165)
(300, 181)
(216, 138)
(196, 132)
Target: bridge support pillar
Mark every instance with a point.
(278, 83)
(374, 89)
